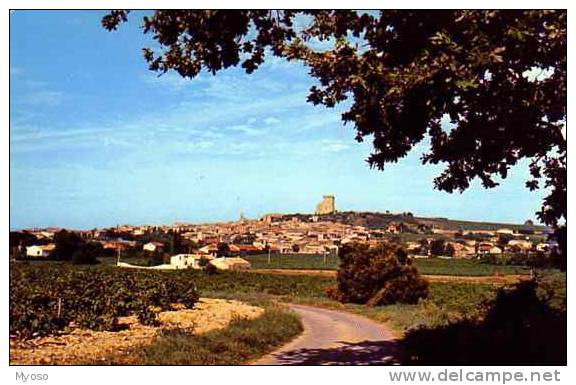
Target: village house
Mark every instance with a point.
(153, 246)
(495, 250)
(462, 250)
(40, 250)
(543, 247)
(484, 247)
(185, 261)
(521, 244)
(118, 244)
(505, 231)
(244, 249)
(231, 263)
(209, 249)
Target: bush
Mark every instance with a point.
(438, 247)
(210, 269)
(524, 324)
(380, 275)
(87, 254)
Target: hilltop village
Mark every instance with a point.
(324, 232)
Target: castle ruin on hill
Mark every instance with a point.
(327, 206)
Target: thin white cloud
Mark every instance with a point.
(245, 129)
(333, 145)
(271, 120)
(44, 97)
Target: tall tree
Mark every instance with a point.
(407, 73)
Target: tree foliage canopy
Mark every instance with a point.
(407, 74)
(381, 275)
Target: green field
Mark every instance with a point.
(293, 261)
(438, 266)
(432, 266)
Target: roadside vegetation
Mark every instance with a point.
(523, 324)
(242, 341)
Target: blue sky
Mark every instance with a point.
(98, 140)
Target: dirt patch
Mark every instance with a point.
(87, 346)
(309, 272)
(491, 279)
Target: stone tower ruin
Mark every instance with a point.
(327, 206)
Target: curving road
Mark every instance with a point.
(335, 338)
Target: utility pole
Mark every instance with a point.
(268, 254)
(119, 253)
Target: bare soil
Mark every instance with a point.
(83, 346)
(490, 279)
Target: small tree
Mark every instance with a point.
(375, 276)
(210, 269)
(203, 261)
(87, 254)
(438, 247)
(449, 250)
(66, 244)
(223, 249)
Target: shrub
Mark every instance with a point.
(375, 276)
(524, 324)
(438, 247)
(203, 261)
(87, 254)
(210, 269)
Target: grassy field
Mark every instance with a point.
(446, 301)
(242, 341)
(293, 261)
(438, 266)
(432, 266)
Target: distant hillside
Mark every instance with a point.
(454, 224)
(376, 220)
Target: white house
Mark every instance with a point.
(185, 261)
(495, 250)
(227, 263)
(524, 245)
(153, 246)
(40, 251)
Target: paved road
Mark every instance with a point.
(335, 338)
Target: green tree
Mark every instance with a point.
(449, 250)
(438, 247)
(223, 250)
(375, 276)
(66, 244)
(87, 254)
